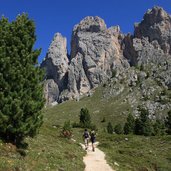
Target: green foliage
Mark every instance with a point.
(137, 153)
(85, 119)
(103, 120)
(21, 94)
(158, 128)
(110, 128)
(67, 129)
(142, 67)
(118, 129)
(76, 125)
(129, 125)
(168, 123)
(143, 125)
(163, 92)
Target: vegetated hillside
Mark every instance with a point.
(129, 151)
(47, 151)
(50, 151)
(113, 101)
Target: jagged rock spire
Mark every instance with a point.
(156, 25)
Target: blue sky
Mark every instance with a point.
(53, 16)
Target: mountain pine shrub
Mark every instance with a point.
(67, 130)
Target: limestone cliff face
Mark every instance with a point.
(98, 51)
(56, 66)
(156, 25)
(154, 32)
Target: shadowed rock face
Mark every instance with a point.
(98, 51)
(51, 91)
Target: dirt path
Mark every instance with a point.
(95, 161)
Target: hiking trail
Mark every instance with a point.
(95, 161)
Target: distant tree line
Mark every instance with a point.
(142, 125)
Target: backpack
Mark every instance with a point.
(93, 135)
(86, 135)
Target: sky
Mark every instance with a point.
(53, 16)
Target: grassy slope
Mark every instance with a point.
(137, 152)
(48, 151)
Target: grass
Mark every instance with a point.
(50, 151)
(137, 153)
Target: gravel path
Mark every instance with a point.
(95, 161)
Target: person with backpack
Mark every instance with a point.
(93, 139)
(86, 137)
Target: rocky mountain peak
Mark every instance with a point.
(90, 24)
(156, 25)
(99, 53)
(57, 49)
(56, 62)
(95, 52)
(156, 15)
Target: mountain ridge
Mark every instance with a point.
(99, 53)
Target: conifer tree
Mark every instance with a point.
(21, 91)
(168, 123)
(109, 128)
(143, 125)
(85, 119)
(129, 125)
(118, 129)
(159, 127)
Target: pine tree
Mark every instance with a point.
(138, 127)
(85, 119)
(118, 129)
(129, 125)
(21, 91)
(159, 128)
(143, 125)
(168, 123)
(109, 128)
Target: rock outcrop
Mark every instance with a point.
(51, 91)
(95, 52)
(56, 66)
(156, 25)
(99, 53)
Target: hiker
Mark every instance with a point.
(86, 137)
(93, 139)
